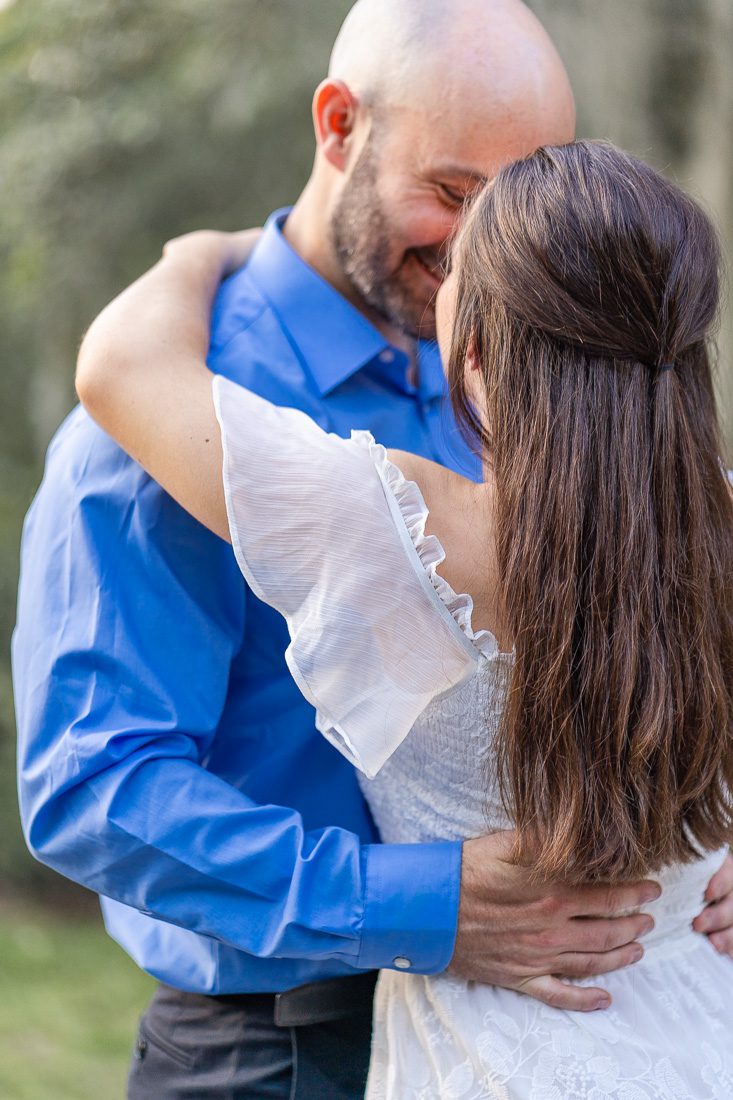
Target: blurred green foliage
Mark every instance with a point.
(71, 1000)
(123, 123)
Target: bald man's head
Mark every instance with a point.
(425, 101)
(393, 51)
(375, 52)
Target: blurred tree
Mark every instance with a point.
(655, 76)
(124, 123)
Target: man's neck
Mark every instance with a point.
(307, 233)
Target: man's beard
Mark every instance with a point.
(360, 236)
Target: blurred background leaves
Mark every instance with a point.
(123, 123)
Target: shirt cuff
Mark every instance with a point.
(411, 906)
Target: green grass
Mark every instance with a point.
(69, 1004)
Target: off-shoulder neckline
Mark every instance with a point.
(410, 511)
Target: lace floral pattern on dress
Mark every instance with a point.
(441, 1038)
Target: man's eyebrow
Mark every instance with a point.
(459, 171)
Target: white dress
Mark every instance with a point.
(330, 533)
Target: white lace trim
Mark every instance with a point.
(414, 512)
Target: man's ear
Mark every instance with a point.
(334, 116)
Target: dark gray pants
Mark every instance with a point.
(191, 1047)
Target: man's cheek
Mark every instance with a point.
(425, 222)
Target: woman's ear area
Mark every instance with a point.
(473, 361)
(335, 112)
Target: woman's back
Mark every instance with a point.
(667, 1034)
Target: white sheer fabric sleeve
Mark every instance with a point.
(328, 532)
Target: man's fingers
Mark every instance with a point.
(576, 965)
(592, 936)
(599, 936)
(607, 901)
(573, 998)
(721, 883)
(715, 918)
(723, 942)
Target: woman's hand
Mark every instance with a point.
(215, 252)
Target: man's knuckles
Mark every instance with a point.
(550, 908)
(549, 941)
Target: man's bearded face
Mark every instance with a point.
(381, 249)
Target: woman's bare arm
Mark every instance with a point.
(142, 374)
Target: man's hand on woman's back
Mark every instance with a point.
(527, 936)
(530, 936)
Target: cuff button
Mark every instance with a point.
(402, 963)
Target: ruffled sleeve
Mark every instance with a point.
(329, 533)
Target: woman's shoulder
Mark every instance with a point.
(460, 514)
(432, 479)
(456, 508)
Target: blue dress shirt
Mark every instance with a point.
(167, 760)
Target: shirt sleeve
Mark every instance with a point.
(130, 614)
(320, 534)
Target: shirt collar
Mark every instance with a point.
(433, 382)
(332, 337)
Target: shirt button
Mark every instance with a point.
(386, 356)
(402, 963)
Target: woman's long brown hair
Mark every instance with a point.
(584, 275)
